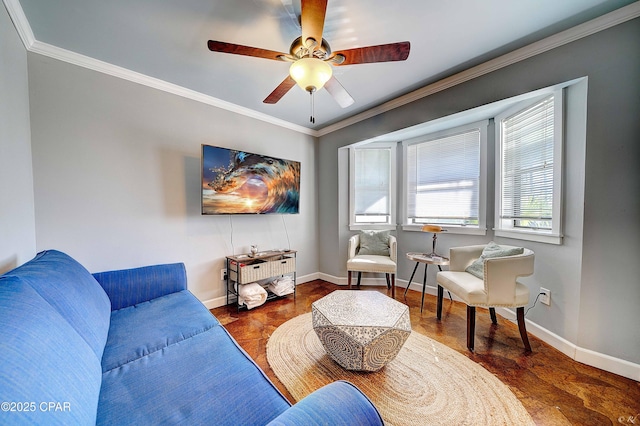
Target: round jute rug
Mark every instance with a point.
(426, 384)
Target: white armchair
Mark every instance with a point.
(498, 288)
(373, 263)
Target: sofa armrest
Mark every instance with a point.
(338, 403)
(128, 287)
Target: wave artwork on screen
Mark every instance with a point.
(239, 182)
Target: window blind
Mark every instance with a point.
(527, 166)
(443, 177)
(372, 184)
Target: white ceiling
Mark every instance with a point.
(167, 40)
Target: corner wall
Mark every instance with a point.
(17, 223)
(594, 305)
(117, 177)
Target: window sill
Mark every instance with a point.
(465, 230)
(546, 238)
(372, 226)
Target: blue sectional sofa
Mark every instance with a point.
(136, 347)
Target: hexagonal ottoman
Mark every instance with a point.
(361, 330)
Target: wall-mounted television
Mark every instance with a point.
(240, 182)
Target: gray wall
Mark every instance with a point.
(593, 276)
(610, 297)
(117, 177)
(17, 225)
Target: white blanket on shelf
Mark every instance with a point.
(251, 295)
(282, 286)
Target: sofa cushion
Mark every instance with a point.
(73, 292)
(150, 326)
(43, 359)
(205, 379)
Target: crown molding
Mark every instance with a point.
(586, 29)
(32, 45)
(155, 83)
(20, 22)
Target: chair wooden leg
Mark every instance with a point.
(393, 286)
(388, 282)
(523, 329)
(359, 278)
(492, 312)
(471, 326)
(439, 305)
(349, 279)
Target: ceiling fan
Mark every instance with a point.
(312, 58)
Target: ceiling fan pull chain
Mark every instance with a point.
(312, 119)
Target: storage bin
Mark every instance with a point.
(250, 271)
(282, 266)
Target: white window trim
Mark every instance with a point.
(481, 229)
(553, 236)
(393, 147)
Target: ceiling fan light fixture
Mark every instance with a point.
(310, 73)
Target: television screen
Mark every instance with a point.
(239, 182)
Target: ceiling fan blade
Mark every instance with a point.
(339, 93)
(312, 19)
(238, 49)
(280, 91)
(380, 53)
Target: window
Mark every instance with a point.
(372, 176)
(529, 171)
(445, 179)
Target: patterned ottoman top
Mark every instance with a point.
(360, 308)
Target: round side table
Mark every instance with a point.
(427, 259)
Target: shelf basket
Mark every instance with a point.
(250, 271)
(283, 266)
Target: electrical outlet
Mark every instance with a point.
(223, 274)
(545, 296)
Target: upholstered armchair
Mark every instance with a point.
(494, 284)
(381, 262)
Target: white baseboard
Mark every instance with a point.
(215, 302)
(369, 281)
(333, 279)
(585, 356)
(345, 281)
(550, 338)
(306, 278)
(608, 363)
